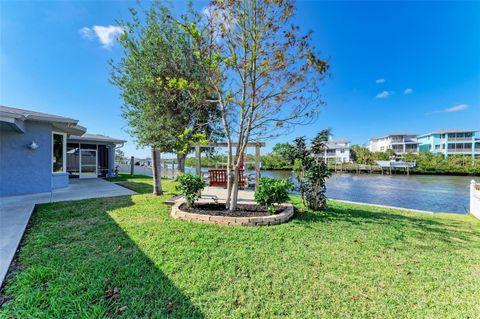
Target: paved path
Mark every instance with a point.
(244, 195)
(15, 211)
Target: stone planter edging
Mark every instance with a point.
(232, 221)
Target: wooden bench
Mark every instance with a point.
(218, 177)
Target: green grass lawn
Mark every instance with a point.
(125, 257)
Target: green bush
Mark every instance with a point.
(190, 186)
(272, 191)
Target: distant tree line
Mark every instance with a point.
(426, 162)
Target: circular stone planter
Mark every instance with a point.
(232, 221)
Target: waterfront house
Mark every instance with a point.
(338, 151)
(39, 152)
(400, 143)
(452, 141)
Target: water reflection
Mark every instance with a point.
(435, 193)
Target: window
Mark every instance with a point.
(342, 151)
(382, 148)
(58, 153)
(437, 147)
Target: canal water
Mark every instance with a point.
(436, 193)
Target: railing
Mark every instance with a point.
(460, 138)
(475, 199)
(460, 150)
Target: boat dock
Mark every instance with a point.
(381, 167)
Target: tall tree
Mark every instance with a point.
(264, 73)
(157, 60)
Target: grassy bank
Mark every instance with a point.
(125, 257)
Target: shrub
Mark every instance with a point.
(272, 191)
(311, 169)
(190, 186)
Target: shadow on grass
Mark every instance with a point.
(75, 260)
(358, 215)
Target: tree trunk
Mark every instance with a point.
(157, 177)
(229, 176)
(233, 204)
(181, 163)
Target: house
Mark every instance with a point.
(400, 143)
(451, 141)
(39, 152)
(338, 151)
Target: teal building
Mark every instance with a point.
(449, 142)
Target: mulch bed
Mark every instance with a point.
(218, 209)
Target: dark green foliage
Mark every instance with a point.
(427, 162)
(190, 187)
(311, 169)
(156, 68)
(272, 191)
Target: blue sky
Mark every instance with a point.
(425, 57)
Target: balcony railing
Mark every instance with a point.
(462, 150)
(460, 138)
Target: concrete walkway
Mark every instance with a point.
(15, 211)
(244, 195)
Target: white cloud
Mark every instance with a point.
(452, 109)
(456, 108)
(380, 81)
(383, 95)
(86, 33)
(408, 91)
(105, 34)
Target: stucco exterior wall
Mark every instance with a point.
(23, 170)
(59, 180)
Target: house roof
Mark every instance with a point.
(453, 130)
(340, 140)
(35, 116)
(333, 143)
(15, 117)
(96, 138)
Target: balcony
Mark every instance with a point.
(462, 150)
(460, 138)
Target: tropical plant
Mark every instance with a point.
(311, 170)
(190, 186)
(272, 191)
